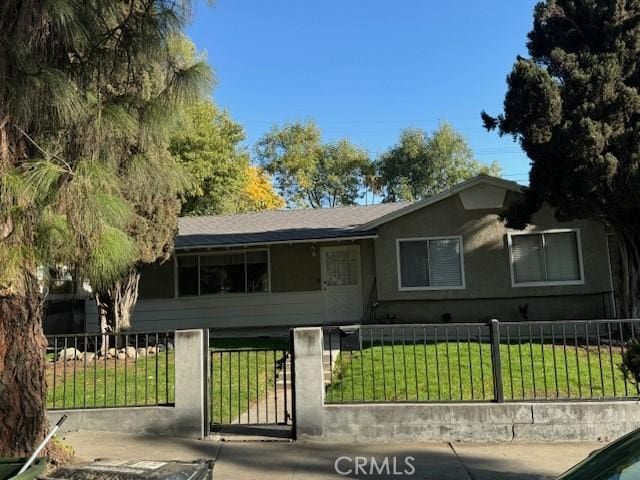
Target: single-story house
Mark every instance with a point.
(445, 258)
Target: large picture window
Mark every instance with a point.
(430, 263)
(210, 274)
(546, 258)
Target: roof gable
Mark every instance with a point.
(467, 186)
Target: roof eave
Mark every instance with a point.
(348, 238)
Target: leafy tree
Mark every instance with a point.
(310, 173)
(207, 145)
(574, 106)
(82, 86)
(422, 165)
(257, 193)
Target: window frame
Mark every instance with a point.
(546, 283)
(217, 253)
(463, 286)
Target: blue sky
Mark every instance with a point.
(365, 69)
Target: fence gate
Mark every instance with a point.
(251, 388)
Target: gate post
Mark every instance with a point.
(190, 375)
(308, 383)
(496, 361)
(206, 382)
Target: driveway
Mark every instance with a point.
(294, 460)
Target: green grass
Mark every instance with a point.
(240, 380)
(451, 371)
(111, 383)
(114, 384)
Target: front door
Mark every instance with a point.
(341, 282)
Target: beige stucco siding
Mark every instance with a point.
(486, 253)
(368, 271)
(294, 268)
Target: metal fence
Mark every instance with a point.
(110, 370)
(250, 386)
(498, 361)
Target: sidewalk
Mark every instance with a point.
(291, 460)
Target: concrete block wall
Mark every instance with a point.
(422, 422)
(187, 418)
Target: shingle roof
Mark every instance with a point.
(280, 225)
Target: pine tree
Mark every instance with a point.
(82, 86)
(574, 106)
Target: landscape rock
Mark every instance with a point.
(68, 354)
(169, 346)
(112, 352)
(151, 350)
(89, 356)
(130, 352)
(122, 355)
(160, 347)
(142, 352)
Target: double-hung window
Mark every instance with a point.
(430, 263)
(546, 258)
(207, 274)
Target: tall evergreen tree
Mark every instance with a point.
(574, 106)
(82, 85)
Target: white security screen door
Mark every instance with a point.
(341, 283)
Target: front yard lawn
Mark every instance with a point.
(111, 383)
(240, 378)
(451, 371)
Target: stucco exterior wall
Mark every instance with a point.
(488, 290)
(294, 268)
(368, 265)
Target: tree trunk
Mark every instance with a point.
(629, 244)
(23, 420)
(116, 304)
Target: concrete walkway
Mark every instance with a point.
(291, 460)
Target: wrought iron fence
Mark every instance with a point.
(110, 370)
(498, 361)
(250, 386)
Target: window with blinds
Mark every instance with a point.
(546, 258)
(430, 263)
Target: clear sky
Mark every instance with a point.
(365, 69)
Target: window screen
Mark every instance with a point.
(545, 257)
(257, 272)
(188, 275)
(414, 263)
(245, 272)
(433, 262)
(222, 273)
